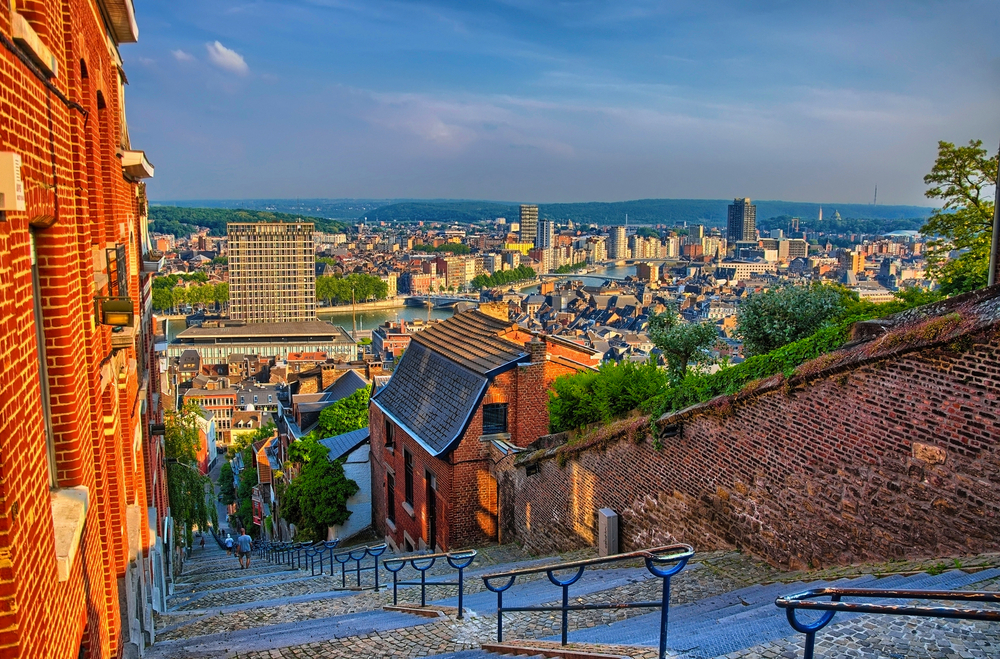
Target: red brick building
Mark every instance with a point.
(463, 385)
(82, 491)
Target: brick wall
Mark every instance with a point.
(77, 201)
(887, 458)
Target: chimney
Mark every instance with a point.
(536, 348)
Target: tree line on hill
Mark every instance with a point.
(182, 222)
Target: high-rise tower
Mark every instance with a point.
(529, 223)
(617, 245)
(545, 237)
(742, 224)
(272, 272)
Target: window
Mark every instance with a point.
(408, 477)
(390, 497)
(390, 434)
(43, 374)
(494, 418)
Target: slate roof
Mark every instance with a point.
(341, 445)
(472, 340)
(345, 385)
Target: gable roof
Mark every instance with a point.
(473, 340)
(341, 445)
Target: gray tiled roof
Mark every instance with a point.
(431, 397)
(341, 445)
(472, 339)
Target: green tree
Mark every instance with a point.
(187, 488)
(614, 390)
(317, 498)
(347, 414)
(959, 178)
(771, 319)
(226, 487)
(162, 299)
(681, 343)
(244, 493)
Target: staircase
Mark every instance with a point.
(270, 611)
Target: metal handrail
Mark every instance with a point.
(318, 550)
(458, 560)
(358, 554)
(663, 562)
(804, 600)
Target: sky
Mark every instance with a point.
(558, 100)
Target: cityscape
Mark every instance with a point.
(611, 416)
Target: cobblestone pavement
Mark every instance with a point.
(870, 637)
(715, 573)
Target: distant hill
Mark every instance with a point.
(185, 221)
(710, 212)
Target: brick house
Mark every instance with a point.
(464, 384)
(82, 486)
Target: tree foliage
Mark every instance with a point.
(244, 493)
(682, 343)
(570, 267)
(337, 289)
(612, 391)
(182, 221)
(503, 277)
(347, 414)
(187, 489)
(960, 177)
(174, 291)
(452, 248)
(777, 317)
(226, 487)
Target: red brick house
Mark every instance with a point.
(463, 384)
(82, 490)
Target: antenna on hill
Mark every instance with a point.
(875, 202)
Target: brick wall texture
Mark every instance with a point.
(888, 458)
(78, 202)
(466, 496)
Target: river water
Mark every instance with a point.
(371, 318)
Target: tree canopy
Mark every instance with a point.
(337, 289)
(503, 277)
(182, 221)
(453, 248)
(681, 343)
(187, 488)
(579, 399)
(960, 177)
(777, 317)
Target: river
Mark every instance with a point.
(370, 318)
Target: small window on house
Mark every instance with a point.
(390, 497)
(255, 399)
(408, 477)
(494, 418)
(390, 434)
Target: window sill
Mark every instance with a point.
(499, 436)
(69, 514)
(390, 450)
(409, 510)
(390, 524)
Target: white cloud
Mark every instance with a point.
(181, 56)
(226, 58)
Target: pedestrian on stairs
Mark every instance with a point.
(244, 544)
(229, 545)
(203, 541)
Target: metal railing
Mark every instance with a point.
(662, 562)
(458, 560)
(805, 600)
(359, 554)
(319, 550)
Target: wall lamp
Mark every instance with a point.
(114, 311)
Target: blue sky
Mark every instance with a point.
(548, 100)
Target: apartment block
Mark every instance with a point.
(529, 224)
(272, 272)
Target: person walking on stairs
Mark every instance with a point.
(244, 544)
(229, 545)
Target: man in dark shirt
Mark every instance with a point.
(244, 544)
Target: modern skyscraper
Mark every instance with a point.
(545, 237)
(272, 272)
(742, 224)
(617, 245)
(529, 223)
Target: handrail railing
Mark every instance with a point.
(662, 562)
(358, 554)
(804, 600)
(319, 550)
(458, 560)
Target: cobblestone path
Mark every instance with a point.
(721, 606)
